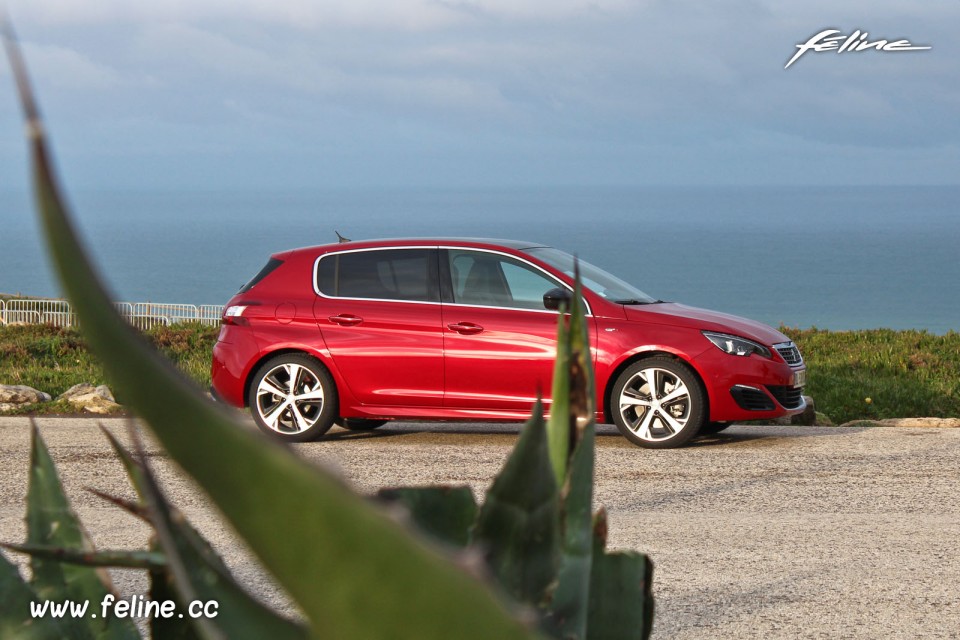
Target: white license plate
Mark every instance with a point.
(800, 378)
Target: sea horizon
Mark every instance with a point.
(834, 257)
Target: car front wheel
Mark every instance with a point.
(658, 403)
(293, 398)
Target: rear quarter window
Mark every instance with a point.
(267, 269)
(388, 274)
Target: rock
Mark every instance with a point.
(19, 394)
(862, 423)
(823, 420)
(941, 423)
(916, 423)
(86, 397)
(81, 389)
(809, 416)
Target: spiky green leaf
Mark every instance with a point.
(138, 478)
(132, 467)
(566, 615)
(558, 425)
(194, 571)
(119, 558)
(131, 507)
(16, 621)
(573, 404)
(51, 523)
(582, 392)
(196, 578)
(621, 598)
(518, 525)
(162, 587)
(621, 603)
(446, 513)
(174, 627)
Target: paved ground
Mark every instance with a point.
(759, 532)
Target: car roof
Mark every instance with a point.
(517, 245)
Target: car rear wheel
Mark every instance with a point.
(293, 398)
(658, 403)
(359, 424)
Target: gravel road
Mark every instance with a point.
(759, 532)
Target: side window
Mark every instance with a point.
(527, 285)
(390, 274)
(493, 280)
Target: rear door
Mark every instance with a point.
(380, 316)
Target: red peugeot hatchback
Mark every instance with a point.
(360, 333)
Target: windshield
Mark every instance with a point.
(597, 280)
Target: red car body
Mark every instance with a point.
(447, 358)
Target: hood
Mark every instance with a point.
(676, 314)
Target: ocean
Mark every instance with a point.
(831, 257)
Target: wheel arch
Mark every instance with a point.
(644, 355)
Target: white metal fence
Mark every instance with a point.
(143, 315)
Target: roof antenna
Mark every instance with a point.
(340, 238)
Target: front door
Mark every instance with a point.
(499, 341)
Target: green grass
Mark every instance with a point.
(904, 373)
(53, 359)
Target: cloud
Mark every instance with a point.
(615, 81)
(63, 67)
(402, 15)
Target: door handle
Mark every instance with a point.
(345, 320)
(465, 328)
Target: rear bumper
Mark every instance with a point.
(230, 368)
(216, 396)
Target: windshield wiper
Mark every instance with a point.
(635, 301)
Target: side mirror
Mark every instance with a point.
(555, 298)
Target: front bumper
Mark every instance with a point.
(749, 388)
(770, 398)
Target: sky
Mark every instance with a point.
(286, 94)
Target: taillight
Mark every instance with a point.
(234, 315)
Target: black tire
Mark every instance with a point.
(307, 417)
(359, 424)
(710, 428)
(642, 419)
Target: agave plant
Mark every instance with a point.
(542, 548)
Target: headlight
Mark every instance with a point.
(736, 346)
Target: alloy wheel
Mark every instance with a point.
(655, 404)
(290, 398)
